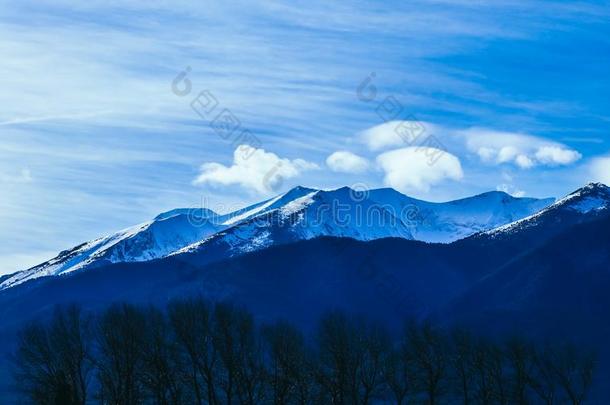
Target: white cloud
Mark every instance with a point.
(600, 170)
(396, 133)
(253, 169)
(555, 155)
(418, 168)
(510, 189)
(522, 150)
(491, 146)
(347, 162)
(505, 154)
(524, 161)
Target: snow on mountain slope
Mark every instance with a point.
(266, 206)
(167, 233)
(560, 279)
(151, 240)
(339, 213)
(453, 220)
(299, 214)
(592, 200)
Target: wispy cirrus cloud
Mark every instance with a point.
(21, 176)
(60, 117)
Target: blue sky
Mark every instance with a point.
(92, 138)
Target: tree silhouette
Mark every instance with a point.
(202, 353)
(162, 363)
(428, 350)
(192, 324)
(121, 336)
(53, 360)
(289, 365)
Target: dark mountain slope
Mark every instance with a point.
(387, 279)
(511, 242)
(557, 289)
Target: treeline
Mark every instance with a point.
(194, 352)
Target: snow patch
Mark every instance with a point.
(590, 204)
(258, 209)
(298, 204)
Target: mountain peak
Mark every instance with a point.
(297, 191)
(339, 190)
(198, 212)
(596, 195)
(495, 193)
(594, 188)
(592, 197)
(301, 188)
(597, 185)
(590, 200)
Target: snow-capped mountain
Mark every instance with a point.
(549, 272)
(453, 220)
(584, 204)
(151, 240)
(519, 238)
(307, 214)
(299, 214)
(165, 234)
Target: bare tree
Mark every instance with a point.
(463, 364)
(120, 339)
(192, 324)
(490, 373)
(338, 357)
(351, 355)
(376, 346)
(543, 381)
(250, 367)
(38, 372)
(521, 361)
(574, 372)
(239, 350)
(428, 349)
(398, 373)
(161, 369)
(53, 361)
(289, 365)
(225, 344)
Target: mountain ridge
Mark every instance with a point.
(396, 215)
